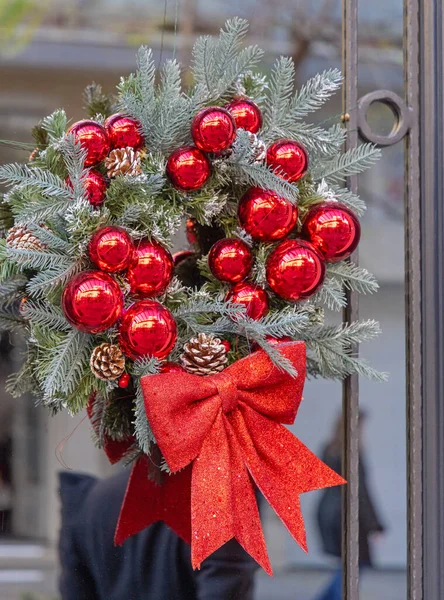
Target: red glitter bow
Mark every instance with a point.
(222, 432)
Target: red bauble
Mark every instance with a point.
(251, 296)
(333, 229)
(151, 269)
(188, 168)
(230, 259)
(111, 249)
(95, 187)
(247, 115)
(226, 344)
(92, 301)
(289, 157)
(295, 270)
(171, 367)
(124, 132)
(93, 138)
(191, 231)
(124, 380)
(147, 329)
(265, 215)
(213, 129)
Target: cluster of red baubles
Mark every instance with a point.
(93, 300)
(295, 269)
(213, 131)
(118, 131)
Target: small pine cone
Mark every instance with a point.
(204, 355)
(107, 362)
(123, 161)
(33, 154)
(21, 238)
(258, 148)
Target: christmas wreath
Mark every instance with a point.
(188, 364)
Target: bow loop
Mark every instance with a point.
(227, 390)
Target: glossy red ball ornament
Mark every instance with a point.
(93, 138)
(124, 380)
(191, 232)
(151, 269)
(124, 132)
(265, 215)
(295, 270)
(246, 113)
(147, 329)
(95, 187)
(111, 249)
(188, 168)
(288, 157)
(171, 367)
(253, 297)
(92, 301)
(230, 260)
(333, 229)
(213, 129)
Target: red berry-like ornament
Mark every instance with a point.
(230, 260)
(92, 301)
(188, 168)
(171, 367)
(111, 249)
(93, 138)
(95, 187)
(333, 229)
(265, 215)
(251, 296)
(124, 380)
(246, 113)
(124, 132)
(147, 329)
(151, 269)
(295, 270)
(191, 232)
(290, 158)
(226, 344)
(213, 129)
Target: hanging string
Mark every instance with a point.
(162, 37)
(59, 449)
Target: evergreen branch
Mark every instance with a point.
(352, 277)
(10, 319)
(46, 281)
(331, 294)
(315, 93)
(197, 307)
(12, 290)
(49, 238)
(278, 96)
(48, 184)
(350, 200)
(145, 437)
(272, 350)
(40, 209)
(23, 381)
(66, 362)
(39, 259)
(45, 314)
(74, 155)
(55, 125)
(349, 163)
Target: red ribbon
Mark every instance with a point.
(220, 434)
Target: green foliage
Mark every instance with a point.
(96, 102)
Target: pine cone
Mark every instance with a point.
(107, 362)
(21, 238)
(258, 147)
(123, 161)
(204, 355)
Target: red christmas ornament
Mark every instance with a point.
(230, 260)
(95, 187)
(226, 344)
(295, 270)
(92, 301)
(290, 157)
(333, 229)
(124, 380)
(124, 132)
(191, 232)
(213, 129)
(151, 269)
(265, 215)
(111, 249)
(93, 138)
(171, 367)
(147, 329)
(188, 168)
(246, 113)
(251, 296)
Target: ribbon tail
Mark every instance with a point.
(282, 467)
(211, 497)
(146, 503)
(247, 522)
